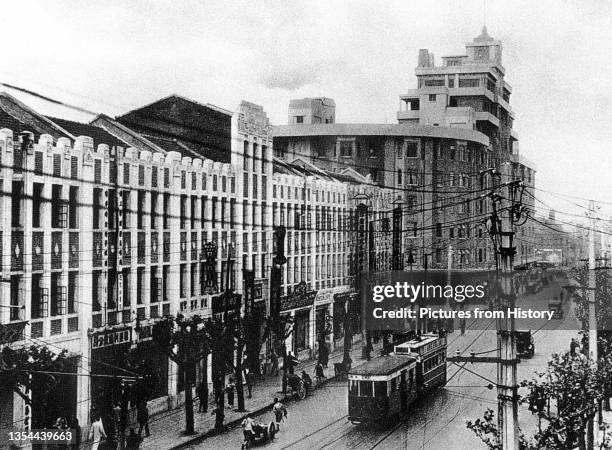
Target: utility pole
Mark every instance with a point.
(507, 394)
(593, 425)
(506, 208)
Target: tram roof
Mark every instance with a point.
(383, 365)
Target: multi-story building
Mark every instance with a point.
(432, 171)
(455, 125)
(312, 110)
(105, 230)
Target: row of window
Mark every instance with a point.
(252, 160)
(304, 194)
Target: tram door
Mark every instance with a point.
(403, 391)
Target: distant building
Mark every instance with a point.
(312, 110)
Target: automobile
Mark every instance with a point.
(556, 307)
(525, 348)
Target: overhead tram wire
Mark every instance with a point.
(466, 221)
(450, 241)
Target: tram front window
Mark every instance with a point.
(380, 389)
(354, 388)
(365, 388)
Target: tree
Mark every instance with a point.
(23, 368)
(564, 397)
(278, 329)
(185, 341)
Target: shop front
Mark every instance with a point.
(299, 304)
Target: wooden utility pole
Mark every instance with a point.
(501, 229)
(507, 395)
(593, 427)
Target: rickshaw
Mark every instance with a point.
(296, 384)
(525, 348)
(261, 433)
(556, 307)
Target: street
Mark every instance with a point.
(437, 422)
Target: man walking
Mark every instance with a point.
(142, 415)
(96, 432)
(279, 411)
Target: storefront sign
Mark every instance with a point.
(109, 338)
(225, 302)
(299, 298)
(145, 333)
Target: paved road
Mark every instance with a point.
(319, 422)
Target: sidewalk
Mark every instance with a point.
(167, 428)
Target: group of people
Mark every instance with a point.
(72, 425)
(132, 441)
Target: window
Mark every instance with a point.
(411, 178)
(412, 149)
(438, 229)
(452, 152)
(399, 176)
(299, 119)
(365, 388)
(37, 200)
(380, 389)
(346, 148)
(432, 97)
(451, 82)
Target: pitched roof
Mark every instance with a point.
(20, 117)
(99, 135)
(195, 129)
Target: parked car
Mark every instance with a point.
(525, 347)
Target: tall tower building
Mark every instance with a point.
(466, 91)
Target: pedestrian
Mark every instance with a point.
(229, 390)
(319, 374)
(306, 380)
(203, 396)
(280, 413)
(133, 441)
(117, 421)
(250, 380)
(76, 430)
(274, 359)
(96, 432)
(291, 361)
(247, 425)
(142, 416)
(324, 355)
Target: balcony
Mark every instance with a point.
(487, 116)
(408, 115)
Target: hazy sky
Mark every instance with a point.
(112, 56)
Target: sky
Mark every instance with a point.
(113, 56)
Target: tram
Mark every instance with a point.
(385, 387)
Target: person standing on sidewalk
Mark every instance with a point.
(319, 374)
(280, 413)
(142, 415)
(203, 396)
(250, 380)
(230, 393)
(274, 360)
